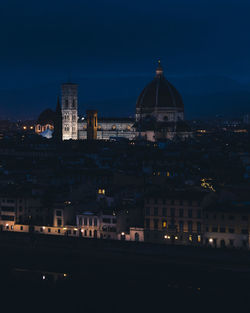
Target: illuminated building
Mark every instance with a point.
(174, 218)
(160, 110)
(159, 115)
(227, 225)
(69, 104)
(77, 128)
(45, 123)
(109, 128)
(88, 224)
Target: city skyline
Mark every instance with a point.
(46, 43)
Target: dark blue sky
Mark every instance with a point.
(111, 47)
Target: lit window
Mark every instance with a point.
(101, 191)
(164, 224)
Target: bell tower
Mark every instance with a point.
(69, 111)
(91, 124)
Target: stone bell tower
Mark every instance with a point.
(69, 111)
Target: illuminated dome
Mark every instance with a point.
(160, 99)
(159, 93)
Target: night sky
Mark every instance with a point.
(111, 49)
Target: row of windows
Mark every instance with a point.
(9, 201)
(69, 232)
(109, 220)
(229, 217)
(67, 117)
(7, 217)
(87, 221)
(113, 127)
(173, 212)
(181, 225)
(94, 233)
(66, 128)
(7, 208)
(173, 202)
(66, 103)
(222, 242)
(216, 229)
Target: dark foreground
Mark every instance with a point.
(53, 273)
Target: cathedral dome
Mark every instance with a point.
(159, 94)
(46, 117)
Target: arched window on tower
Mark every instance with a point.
(66, 103)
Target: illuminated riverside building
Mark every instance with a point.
(227, 225)
(174, 218)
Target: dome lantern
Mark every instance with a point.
(159, 70)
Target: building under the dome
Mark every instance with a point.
(160, 110)
(45, 121)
